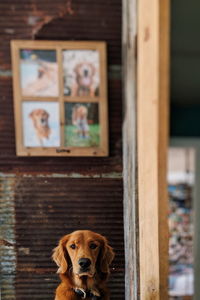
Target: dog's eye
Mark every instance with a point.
(73, 246)
(93, 246)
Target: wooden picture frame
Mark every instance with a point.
(60, 98)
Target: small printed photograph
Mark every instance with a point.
(41, 126)
(81, 73)
(39, 73)
(82, 127)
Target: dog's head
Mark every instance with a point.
(79, 112)
(40, 117)
(85, 70)
(84, 253)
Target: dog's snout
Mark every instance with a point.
(84, 263)
(85, 72)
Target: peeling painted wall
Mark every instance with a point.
(43, 198)
(7, 238)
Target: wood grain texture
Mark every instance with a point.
(152, 111)
(164, 65)
(129, 151)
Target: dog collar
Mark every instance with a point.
(86, 294)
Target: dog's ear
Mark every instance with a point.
(60, 255)
(106, 256)
(76, 69)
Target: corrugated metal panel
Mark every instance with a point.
(9, 162)
(65, 20)
(38, 208)
(46, 209)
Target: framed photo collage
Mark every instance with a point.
(60, 98)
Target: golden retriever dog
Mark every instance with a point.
(79, 119)
(83, 258)
(84, 84)
(40, 122)
(46, 82)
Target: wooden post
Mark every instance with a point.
(164, 87)
(152, 114)
(129, 150)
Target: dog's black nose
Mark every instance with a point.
(84, 263)
(85, 72)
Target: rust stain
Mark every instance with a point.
(40, 22)
(146, 34)
(36, 271)
(68, 10)
(24, 250)
(37, 19)
(5, 243)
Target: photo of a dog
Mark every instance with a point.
(79, 119)
(39, 73)
(81, 73)
(41, 124)
(84, 82)
(82, 127)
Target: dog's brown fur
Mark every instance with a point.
(93, 279)
(84, 85)
(40, 122)
(80, 114)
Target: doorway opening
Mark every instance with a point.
(181, 183)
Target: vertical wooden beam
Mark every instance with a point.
(129, 150)
(164, 63)
(152, 113)
(148, 112)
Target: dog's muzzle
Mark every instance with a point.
(85, 72)
(84, 264)
(43, 121)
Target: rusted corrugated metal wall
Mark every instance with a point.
(43, 198)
